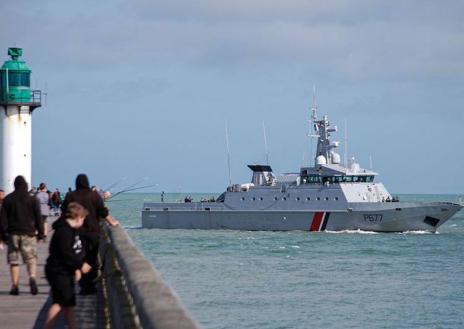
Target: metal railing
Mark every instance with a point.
(34, 100)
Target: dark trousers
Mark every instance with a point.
(90, 241)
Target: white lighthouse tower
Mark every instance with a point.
(17, 101)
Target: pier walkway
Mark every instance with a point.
(27, 311)
(131, 293)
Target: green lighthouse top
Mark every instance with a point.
(15, 63)
(15, 52)
(15, 81)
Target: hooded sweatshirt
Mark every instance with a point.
(66, 251)
(90, 200)
(20, 212)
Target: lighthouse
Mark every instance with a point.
(17, 102)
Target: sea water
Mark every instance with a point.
(270, 280)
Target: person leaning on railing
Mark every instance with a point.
(90, 231)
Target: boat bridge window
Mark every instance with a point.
(316, 179)
(221, 198)
(358, 179)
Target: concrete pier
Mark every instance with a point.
(135, 294)
(131, 293)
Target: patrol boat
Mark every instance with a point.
(330, 196)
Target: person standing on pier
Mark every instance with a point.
(90, 231)
(65, 264)
(21, 226)
(44, 200)
(2, 196)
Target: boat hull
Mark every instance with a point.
(393, 217)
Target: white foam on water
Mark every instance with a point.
(132, 227)
(418, 232)
(358, 231)
(295, 247)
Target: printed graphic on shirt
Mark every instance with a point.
(77, 246)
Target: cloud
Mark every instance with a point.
(355, 40)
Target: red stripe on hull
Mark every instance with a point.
(316, 223)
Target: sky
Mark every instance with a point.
(141, 90)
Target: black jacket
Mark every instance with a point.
(20, 213)
(66, 250)
(90, 200)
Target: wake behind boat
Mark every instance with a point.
(328, 196)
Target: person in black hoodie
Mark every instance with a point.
(65, 264)
(21, 226)
(90, 231)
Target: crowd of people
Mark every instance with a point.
(74, 245)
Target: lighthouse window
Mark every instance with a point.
(16, 79)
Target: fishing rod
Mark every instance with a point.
(139, 188)
(121, 200)
(126, 188)
(114, 184)
(131, 188)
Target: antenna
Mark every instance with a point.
(314, 106)
(346, 145)
(228, 153)
(266, 149)
(46, 93)
(370, 162)
(312, 123)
